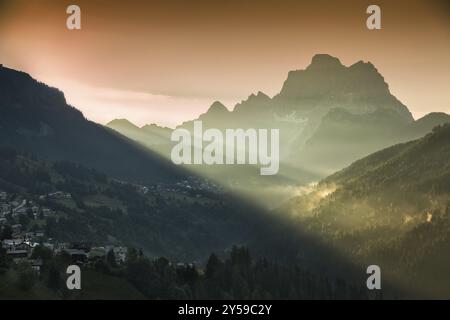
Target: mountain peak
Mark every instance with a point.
(362, 64)
(18, 83)
(13, 72)
(254, 103)
(121, 123)
(435, 116)
(325, 61)
(153, 126)
(217, 107)
(431, 120)
(259, 96)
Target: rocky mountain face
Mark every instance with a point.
(329, 115)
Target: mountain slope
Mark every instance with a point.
(343, 137)
(150, 135)
(37, 118)
(388, 187)
(414, 164)
(422, 126)
(392, 209)
(182, 221)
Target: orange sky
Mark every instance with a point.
(167, 61)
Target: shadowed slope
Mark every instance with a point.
(37, 118)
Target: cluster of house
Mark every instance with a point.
(15, 206)
(200, 184)
(58, 195)
(21, 250)
(84, 253)
(188, 186)
(22, 243)
(139, 188)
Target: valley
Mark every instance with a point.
(360, 181)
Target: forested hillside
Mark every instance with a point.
(391, 208)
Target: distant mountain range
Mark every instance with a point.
(329, 115)
(388, 202)
(150, 135)
(37, 118)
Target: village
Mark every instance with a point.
(19, 241)
(192, 185)
(22, 223)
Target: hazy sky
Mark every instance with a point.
(167, 61)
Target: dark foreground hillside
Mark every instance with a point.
(36, 118)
